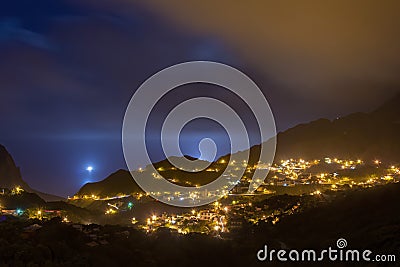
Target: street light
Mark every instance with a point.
(89, 168)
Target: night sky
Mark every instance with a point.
(68, 70)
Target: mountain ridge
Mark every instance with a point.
(10, 176)
(368, 136)
(365, 135)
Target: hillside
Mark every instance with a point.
(120, 182)
(23, 200)
(368, 136)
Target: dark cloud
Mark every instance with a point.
(327, 51)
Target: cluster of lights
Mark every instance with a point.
(110, 211)
(395, 170)
(17, 190)
(290, 168)
(316, 193)
(347, 164)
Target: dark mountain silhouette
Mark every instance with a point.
(119, 182)
(368, 136)
(10, 176)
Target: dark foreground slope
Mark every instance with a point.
(369, 218)
(366, 219)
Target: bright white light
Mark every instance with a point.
(89, 168)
